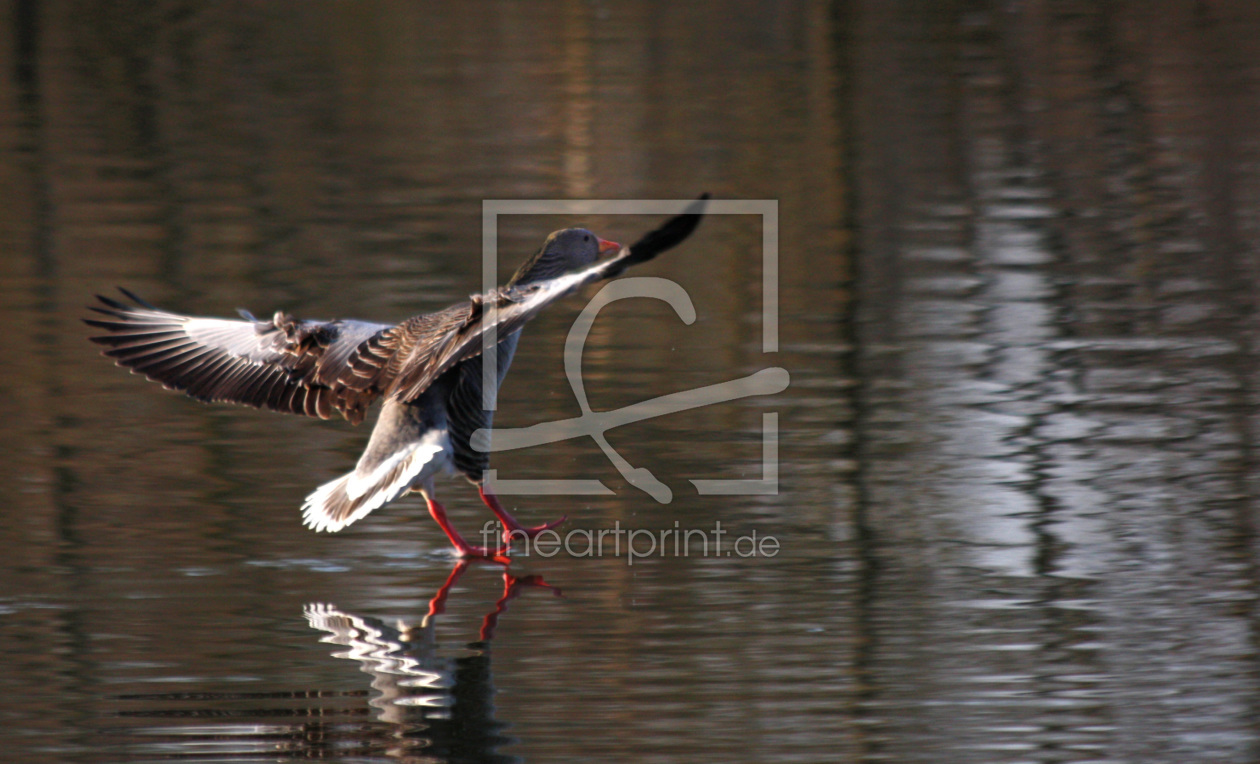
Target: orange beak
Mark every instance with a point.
(606, 246)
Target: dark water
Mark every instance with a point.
(1018, 286)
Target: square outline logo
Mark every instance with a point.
(766, 381)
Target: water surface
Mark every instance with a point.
(1017, 300)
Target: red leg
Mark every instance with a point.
(512, 588)
(437, 605)
(512, 529)
(462, 547)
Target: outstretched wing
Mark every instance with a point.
(318, 367)
(284, 364)
(405, 360)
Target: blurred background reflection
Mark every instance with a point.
(1018, 286)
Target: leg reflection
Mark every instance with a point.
(442, 705)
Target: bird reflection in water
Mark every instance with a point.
(442, 705)
(424, 705)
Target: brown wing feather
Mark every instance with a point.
(400, 351)
(460, 338)
(284, 364)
